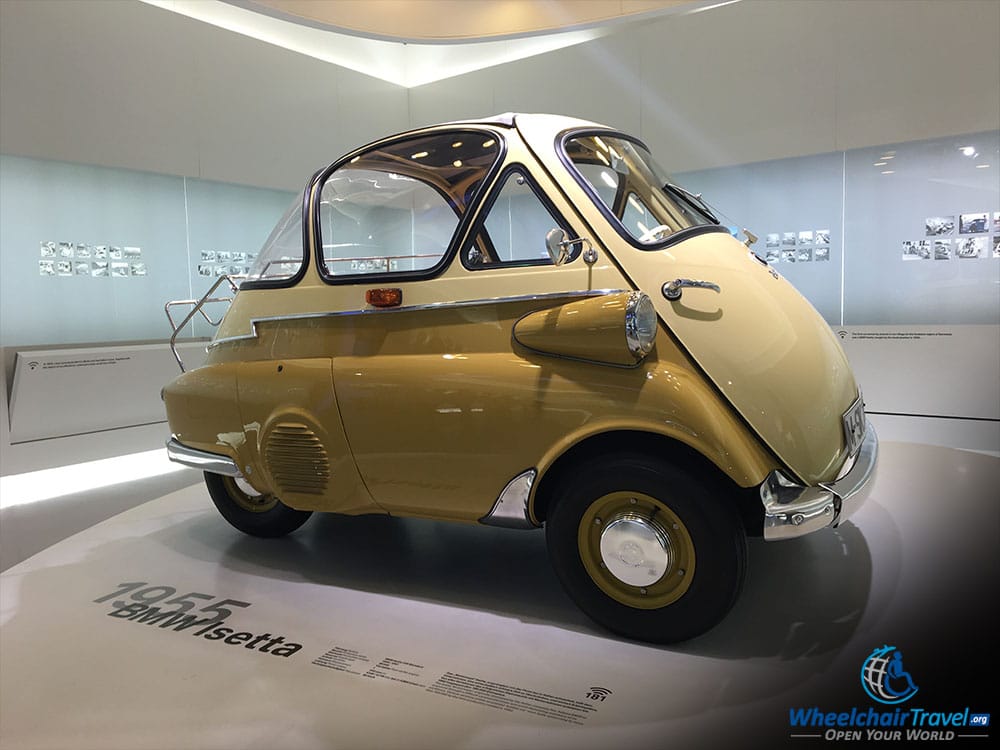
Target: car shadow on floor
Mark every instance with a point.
(802, 597)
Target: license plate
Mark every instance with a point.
(854, 426)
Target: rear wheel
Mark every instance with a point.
(250, 511)
(645, 549)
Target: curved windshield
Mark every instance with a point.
(623, 176)
(281, 256)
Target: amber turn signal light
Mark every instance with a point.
(384, 297)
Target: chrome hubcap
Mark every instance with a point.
(635, 550)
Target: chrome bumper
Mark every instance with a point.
(792, 510)
(202, 460)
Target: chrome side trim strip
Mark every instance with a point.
(414, 308)
(792, 510)
(511, 508)
(202, 460)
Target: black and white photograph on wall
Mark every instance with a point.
(919, 250)
(206, 269)
(115, 253)
(223, 256)
(822, 236)
(805, 238)
(66, 249)
(208, 256)
(996, 222)
(773, 255)
(131, 253)
(973, 223)
(787, 256)
(971, 247)
(83, 251)
(788, 238)
(804, 255)
(119, 270)
(137, 268)
(99, 269)
(942, 249)
(100, 252)
(938, 225)
(81, 268)
(996, 246)
(64, 267)
(821, 253)
(47, 249)
(46, 268)
(773, 239)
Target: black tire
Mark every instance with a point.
(257, 515)
(702, 532)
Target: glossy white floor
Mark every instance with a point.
(387, 633)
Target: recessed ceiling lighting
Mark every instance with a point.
(456, 144)
(982, 166)
(880, 164)
(967, 150)
(889, 171)
(487, 144)
(419, 155)
(457, 163)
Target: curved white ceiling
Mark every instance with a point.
(414, 42)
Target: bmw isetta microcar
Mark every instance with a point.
(524, 322)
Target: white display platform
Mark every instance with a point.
(415, 634)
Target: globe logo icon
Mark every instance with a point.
(884, 677)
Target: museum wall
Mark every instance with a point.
(125, 84)
(129, 130)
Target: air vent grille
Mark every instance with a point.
(297, 460)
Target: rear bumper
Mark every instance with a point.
(202, 460)
(792, 510)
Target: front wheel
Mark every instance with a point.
(251, 512)
(645, 549)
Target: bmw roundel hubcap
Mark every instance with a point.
(246, 497)
(636, 550)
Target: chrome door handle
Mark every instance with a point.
(672, 289)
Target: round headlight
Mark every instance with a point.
(640, 324)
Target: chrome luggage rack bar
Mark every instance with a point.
(198, 307)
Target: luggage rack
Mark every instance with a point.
(197, 306)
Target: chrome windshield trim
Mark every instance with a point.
(415, 308)
(511, 508)
(792, 510)
(202, 460)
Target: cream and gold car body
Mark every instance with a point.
(476, 394)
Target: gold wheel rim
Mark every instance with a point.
(678, 549)
(255, 503)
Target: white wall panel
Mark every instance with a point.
(130, 85)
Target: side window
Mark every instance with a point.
(515, 227)
(281, 256)
(396, 208)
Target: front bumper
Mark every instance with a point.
(202, 460)
(792, 510)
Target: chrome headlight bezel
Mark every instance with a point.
(641, 324)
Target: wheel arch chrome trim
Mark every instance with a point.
(511, 507)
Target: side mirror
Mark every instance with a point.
(558, 247)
